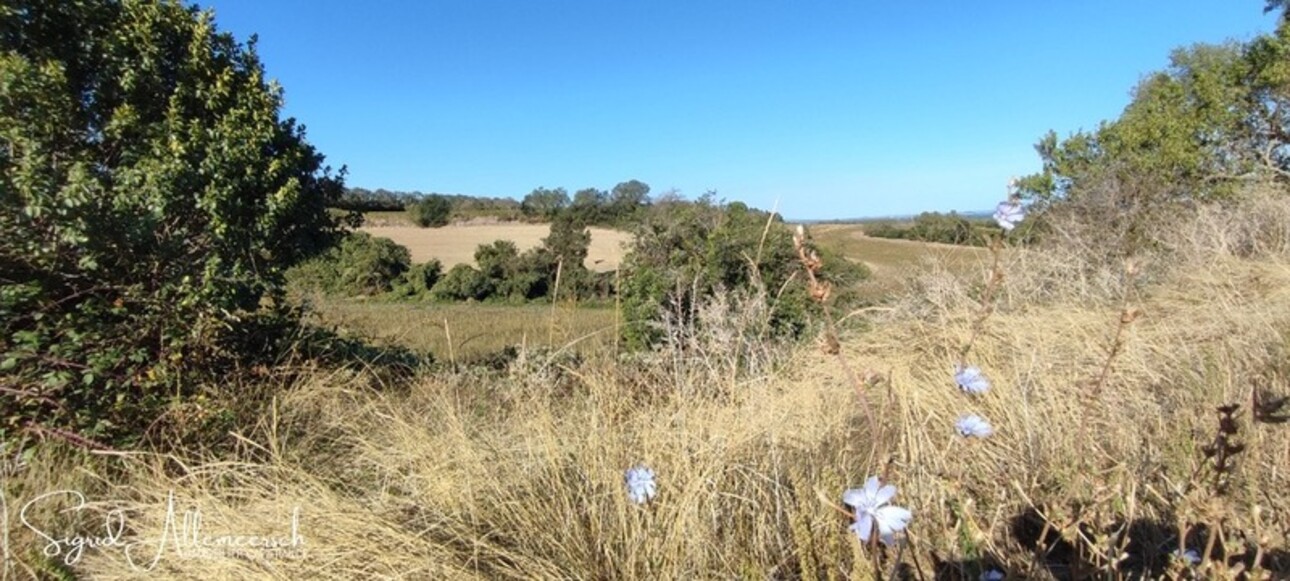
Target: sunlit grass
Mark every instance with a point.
(461, 331)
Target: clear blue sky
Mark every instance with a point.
(832, 108)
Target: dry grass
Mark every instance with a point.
(890, 260)
(456, 243)
(519, 475)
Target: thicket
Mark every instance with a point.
(151, 199)
(361, 265)
(687, 252)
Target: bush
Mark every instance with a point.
(152, 198)
(419, 279)
(686, 252)
(367, 265)
(463, 282)
(431, 211)
(362, 265)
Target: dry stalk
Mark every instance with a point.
(820, 292)
(1128, 314)
(987, 298)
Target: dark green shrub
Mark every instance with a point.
(419, 279)
(367, 265)
(462, 282)
(685, 252)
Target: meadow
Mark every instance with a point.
(1109, 457)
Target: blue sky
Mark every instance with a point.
(827, 109)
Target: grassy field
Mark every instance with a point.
(456, 244)
(892, 261)
(475, 329)
(1103, 399)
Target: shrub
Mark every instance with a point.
(362, 265)
(152, 198)
(367, 265)
(419, 279)
(685, 252)
(463, 282)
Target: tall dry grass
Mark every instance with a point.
(519, 475)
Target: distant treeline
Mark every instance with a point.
(616, 208)
(383, 200)
(951, 228)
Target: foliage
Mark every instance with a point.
(431, 211)
(362, 265)
(1217, 118)
(512, 275)
(544, 203)
(685, 251)
(952, 228)
(152, 198)
(419, 279)
(462, 282)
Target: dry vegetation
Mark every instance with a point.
(456, 243)
(520, 474)
(889, 259)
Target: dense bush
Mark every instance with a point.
(419, 279)
(687, 251)
(151, 199)
(462, 282)
(361, 265)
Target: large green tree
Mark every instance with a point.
(151, 198)
(1217, 117)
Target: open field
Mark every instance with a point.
(475, 329)
(891, 261)
(456, 244)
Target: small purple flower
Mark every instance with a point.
(993, 575)
(973, 426)
(640, 484)
(868, 503)
(971, 380)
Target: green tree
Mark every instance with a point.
(683, 252)
(432, 211)
(151, 199)
(589, 206)
(544, 203)
(626, 199)
(1218, 117)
